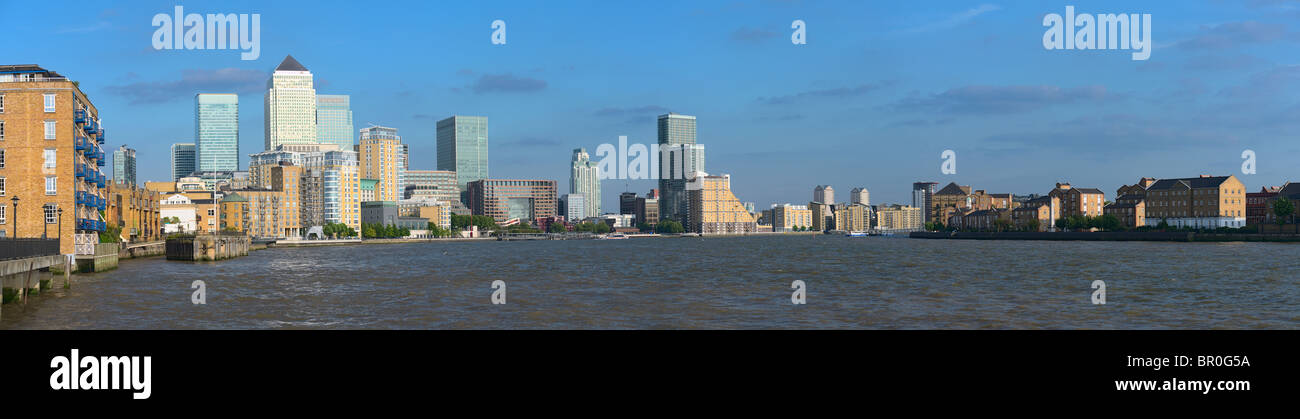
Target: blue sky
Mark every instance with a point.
(873, 99)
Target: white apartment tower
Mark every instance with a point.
(290, 106)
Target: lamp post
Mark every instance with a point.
(60, 227)
(15, 201)
(45, 226)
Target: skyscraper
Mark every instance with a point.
(380, 153)
(182, 160)
(922, 197)
(463, 148)
(216, 132)
(334, 120)
(124, 165)
(860, 196)
(583, 180)
(290, 105)
(677, 130)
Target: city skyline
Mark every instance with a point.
(858, 80)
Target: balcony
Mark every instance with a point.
(91, 127)
(80, 142)
(100, 137)
(79, 116)
(80, 170)
(87, 149)
(101, 180)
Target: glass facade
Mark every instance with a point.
(677, 130)
(124, 166)
(334, 120)
(216, 132)
(583, 181)
(463, 147)
(182, 160)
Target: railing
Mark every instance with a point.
(79, 116)
(100, 137)
(26, 248)
(81, 142)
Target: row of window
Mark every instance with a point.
(51, 127)
(51, 213)
(51, 185)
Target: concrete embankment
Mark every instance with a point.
(208, 247)
(1112, 236)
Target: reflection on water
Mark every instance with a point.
(741, 282)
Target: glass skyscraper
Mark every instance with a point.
(463, 148)
(334, 120)
(124, 165)
(182, 160)
(677, 130)
(216, 132)
(583, 181)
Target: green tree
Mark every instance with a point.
(669, 227)
(555, 227)
(112, 233)
(1283, 208)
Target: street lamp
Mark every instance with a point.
(15, 201)
(60, 227)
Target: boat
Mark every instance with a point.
(614, 236)
(856, 234)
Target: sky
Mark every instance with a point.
(875, 96)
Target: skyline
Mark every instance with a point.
(872, 99)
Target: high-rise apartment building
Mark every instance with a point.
(922, 194)
(678, 161)
(380, 152)
(124, 166)
(216, 132)
(334, 120)
(463, 147)
(583, 180)
(788, 217)
(51, 151)
(713, 209)
(182, 160)
(573, 204)
(860, 196)
(290, 105)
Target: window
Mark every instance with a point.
(2, 214)
(50, 158)
(2, 130)
(49, 130)
(2, 103)
(49, 102)
(51, 185)
(51, 213)
(2, 158)
(2, 186)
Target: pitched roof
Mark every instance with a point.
(1192, 182)
(1090, 191)
(290, 64)
(954, 189)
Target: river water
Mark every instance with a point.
(733, 282)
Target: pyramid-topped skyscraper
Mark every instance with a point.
(290, 105)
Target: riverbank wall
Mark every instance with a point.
(1112, 236)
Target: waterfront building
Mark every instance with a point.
(922, 195)
(290, 106)
(819, 221)
(788, 217)
(509, 199)
(216, 132)
(334, 120)
(647, 209)
(680, 159)
(584, 180)
(124, 165)
(1200, 202)
(1002, 201)
(824, 194)
(189, 215)
(368, 189)
(463, 148)
(380, 153)
(981, 220)
(1086, 202)
(1257, 209)
(627, 203)
(574, 206)
(51, 152)
(135, 210)
(233, 213)
(619, 220)
(340, 180)
(275, 211)
(1130, 209)
(435, 211)
(860, 195)
(951, 197)
(1289, 191)
(899, 218)
(852, 217)
(182, 160)
(386, 213)
(713, 209)
(440, 184)
(1038, 214)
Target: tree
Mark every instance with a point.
(1108, 222)
(669, 227)
(644, 227)
(1001, 224)
(112, 233)
(557, 227)
(602, 228)
(1283, 208)
(1033, 224)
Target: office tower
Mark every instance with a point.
(647, 210)
(573, 207)
(676, 130)
(713, 209)
(50, 158)
(124, 165)
(182, 160)
(824, 194)
(463, 147)
(627, 203)
(216, 132)
(922, 197)
(583, 180)
(860, 196)
(380, 153)
(290, 105)
(436, 184)
(334, 120)
(406, 157)
(506, 199)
